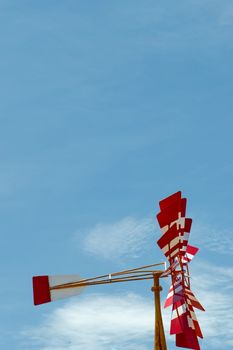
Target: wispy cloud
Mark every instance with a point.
(119, 239)
(215, 240)
(99, 322)
(131, 237)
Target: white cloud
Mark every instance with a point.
(96, 322)
(127, 237)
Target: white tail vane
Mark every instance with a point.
(174, 244)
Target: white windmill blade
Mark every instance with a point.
(44, 288)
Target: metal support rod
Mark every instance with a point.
(159, 337)
(124, 272)
(108, 281)
(114, 278)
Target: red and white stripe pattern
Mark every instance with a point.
(183, 316)
(176, 292)
(184, 235)
(44, 292)
(170, 242)
(172, 212)
(175, 240)
(192, 319)
(179, 320)
(193, 300)
(175, 229)
(191, 251)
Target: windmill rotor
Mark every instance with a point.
(176, 229)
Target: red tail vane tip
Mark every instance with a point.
(41, 292)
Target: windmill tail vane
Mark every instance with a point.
(52, 288)
(175, 229)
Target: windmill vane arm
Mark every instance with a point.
(51, 288)
(124, 272)
(83, 283)
(117, 280)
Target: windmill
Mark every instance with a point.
(174, 244)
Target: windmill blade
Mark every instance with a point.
(187, 339)
(183, 317)
(176, 293)
(169, 242)
(192, 320)
(193, 300)
(43, 291)
(193, 323)
(179, 320)
(174, 213)
(190, 252)
(172, 241)
(184, 235)
(171, 219)
(166, 202)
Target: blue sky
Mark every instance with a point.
(107, 107)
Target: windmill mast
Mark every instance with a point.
(159, 337)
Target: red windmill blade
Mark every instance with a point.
(176, 292)
(174, 244)
(189, 254)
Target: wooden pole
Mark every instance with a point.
(159, 338)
